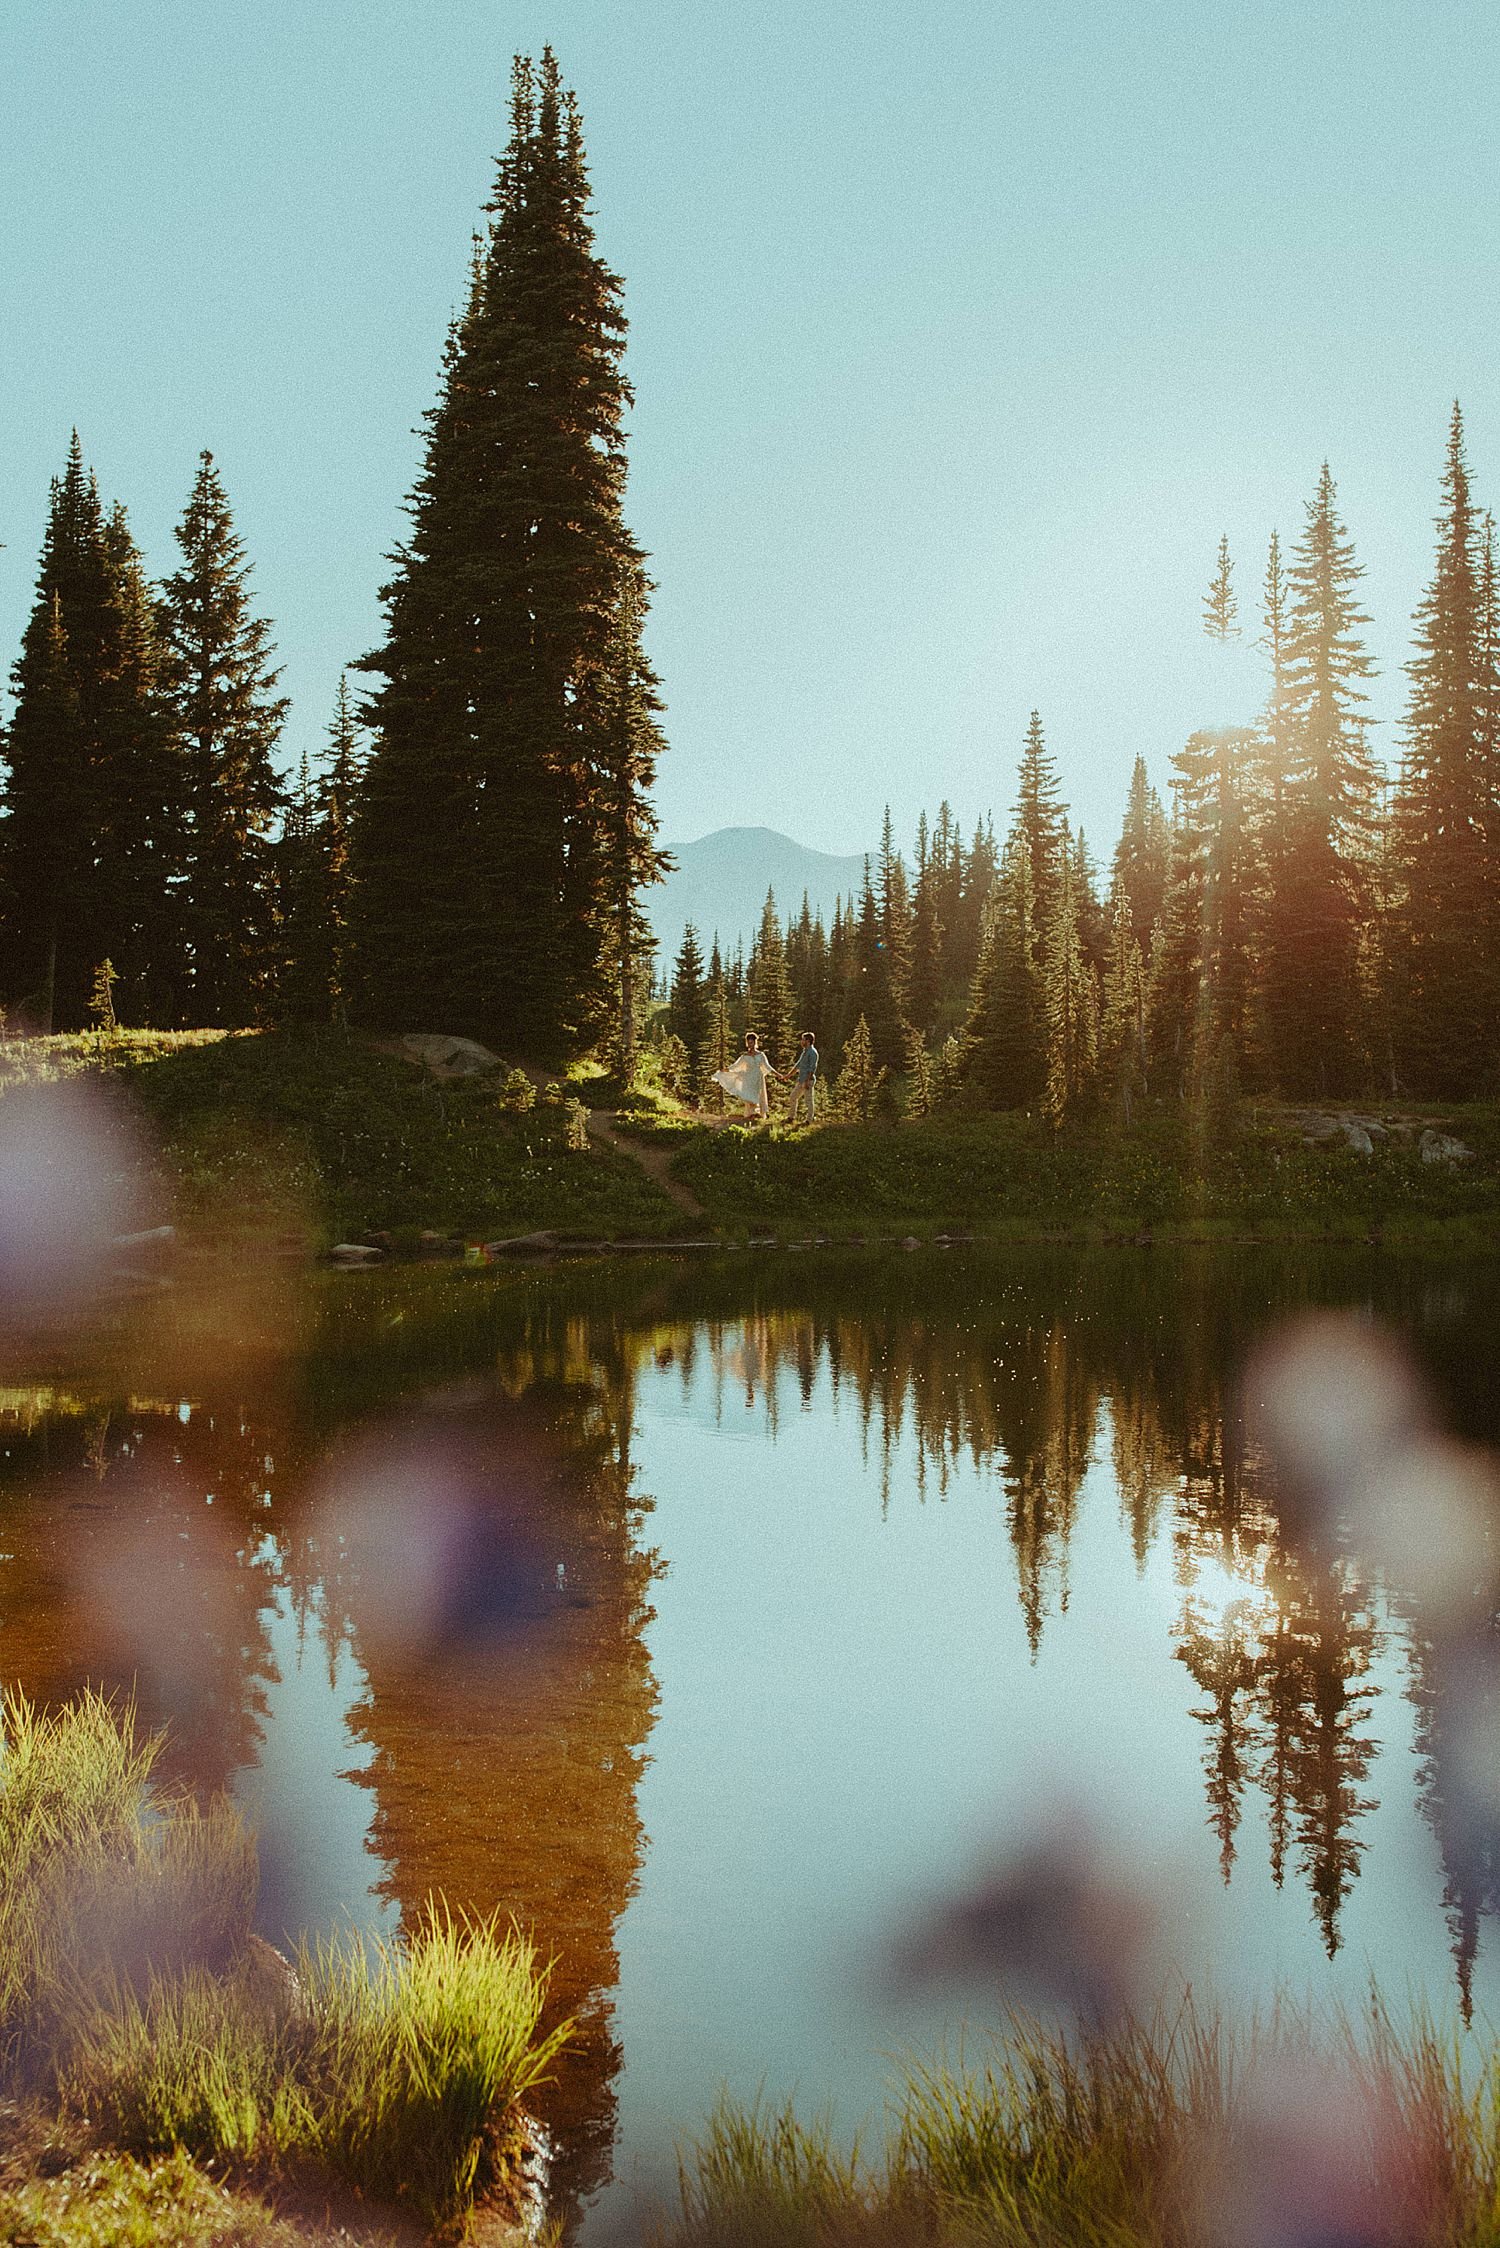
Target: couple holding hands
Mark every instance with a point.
(748, 1079)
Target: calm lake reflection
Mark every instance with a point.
(720, 1621)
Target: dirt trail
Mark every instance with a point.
(654, 1161)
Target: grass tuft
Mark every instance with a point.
(132, 1998)
(1166, 2134)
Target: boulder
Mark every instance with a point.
(450, 1057)
(522, 1245)
(270, 1981)
(354, 1253)
(1441, 1147)
(1356, 1136)
(1317, 1128)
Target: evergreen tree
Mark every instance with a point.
(858, 1089)
(220, 680)
(627, 824)
(1141, 855)
(890, 988)
(1319, 913)
(1093, 922)
(1039, 816)
(1122, 1029)
(717, 1049)
(340, 796)
(1215, 777)
(690, 1005)
(1070, 999)
(770, 1005)
(925, 989)
(1006, 1030)
(1220, 608)
(93, 796)
(305, 974)
(484, 880)
(1276, 720)
(919, 1075)
(1175, 974)
(1444, 825)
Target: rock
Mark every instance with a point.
(269, 1979)
(1316, 1128)
(354, 1253)
(1356, 1137)
(450, 1057)
(522, 1245)
(1441, 1147)
(911, 1242)
(155, 1237)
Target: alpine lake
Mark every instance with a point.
(730, 1619)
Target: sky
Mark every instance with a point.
(959, 332)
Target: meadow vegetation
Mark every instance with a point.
(140, 2011)
(329, 1136)
(1174, 2133)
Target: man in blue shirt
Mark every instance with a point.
(805, 1079)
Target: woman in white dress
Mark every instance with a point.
(748, 1078)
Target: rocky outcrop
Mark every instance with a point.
(1441, 1147)
(449, 1057)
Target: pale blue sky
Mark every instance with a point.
(959, 334)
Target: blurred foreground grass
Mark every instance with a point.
(140, 2013)
(1171, 2134)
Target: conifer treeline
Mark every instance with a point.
(482, 869)
(1293, 923)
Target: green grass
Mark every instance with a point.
(289, 1131)
(110, 2201)
(1148, 2136)
(134, 2003)
(1010, 1175)
(279, 1130)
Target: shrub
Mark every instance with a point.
(517, 1093)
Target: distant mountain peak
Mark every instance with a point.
(721, 880)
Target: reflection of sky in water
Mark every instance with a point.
(310, 1812)
(850, 1718)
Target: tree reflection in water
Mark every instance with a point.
(148, 1540)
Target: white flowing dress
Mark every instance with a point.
(746, 1080)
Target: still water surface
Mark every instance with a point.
(724, 1623)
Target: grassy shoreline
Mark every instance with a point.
(309, 1138)
(142, 2022)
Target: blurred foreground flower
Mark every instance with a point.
(428, 1534)
(1317, 2150)
(72, 1178)
(1352, 1435)
(1061, 1925)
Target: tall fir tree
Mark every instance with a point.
(716, 1051)
(1122, 1026)
(1220, 606)
(630, 742)
(1276, 719)
(689, 1003)
(89, 848)
(1444, 830)
(1039, 816)
(1140, 861)
(1006, 1042)
(770, 1004)
(483, 881)
(887, 1002)
(1319, 915)
(1070, 998)
(221, 682)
